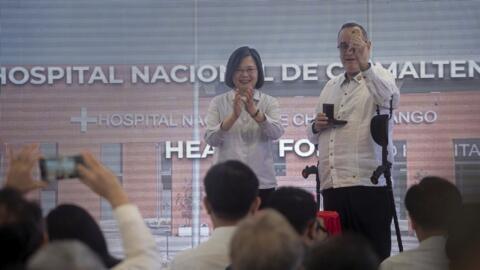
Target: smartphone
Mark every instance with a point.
(58, 168)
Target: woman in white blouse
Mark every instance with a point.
(243, 123)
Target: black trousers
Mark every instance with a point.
(363, 210)
(264, 194)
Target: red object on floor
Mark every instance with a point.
(331, 220)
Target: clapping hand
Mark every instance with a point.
(249, 101)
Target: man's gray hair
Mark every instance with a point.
(266, 241)
(72, 255)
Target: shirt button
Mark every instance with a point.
(331, 140)
(354, 176)
(341, 105)
(345, 94)
(331, 154)
(331, 167)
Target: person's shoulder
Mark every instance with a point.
(265, 95)
(338, 79)
(222, 95)
(391, 263)
(183, 259)
(379, 69)
(220, 98)
(197, 258)
(397, 262)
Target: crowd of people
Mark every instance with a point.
(258, 225)
(285, 234)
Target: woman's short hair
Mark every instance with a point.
(236, 58)
(72, 222)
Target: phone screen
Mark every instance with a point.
(53, 169)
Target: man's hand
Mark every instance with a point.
(19, 175)
(360, 49)
(101, 181)
(320, 122)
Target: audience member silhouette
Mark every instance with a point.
(266, 241)
(342, 252)
(71, 222)
(463, 242)
(431, 205)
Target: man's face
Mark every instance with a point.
(347, 53)
(246, 74)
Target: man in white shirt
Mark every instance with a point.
(431, 205)
(347, 153)
(231, 190)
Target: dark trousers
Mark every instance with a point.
(264, 194)
(363, 210)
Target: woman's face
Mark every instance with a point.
(246, 74)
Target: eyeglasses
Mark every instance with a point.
(250, 71)
(343, 46)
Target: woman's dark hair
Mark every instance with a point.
(21, 228)
(236, 58)
(69, 221)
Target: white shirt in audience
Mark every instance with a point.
(209, 255)
(138, 242)
(430, 255)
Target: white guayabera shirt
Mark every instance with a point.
(347, 154)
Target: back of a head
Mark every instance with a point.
(21, 228)
(231, 187)
(342, 252)
(266, 241)
(463, 242)
(432, 203)
(296, 205)
(71, 222)
(72, 255)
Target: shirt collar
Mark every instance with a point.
(358, 78)
(223, 231)
(433, 241)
